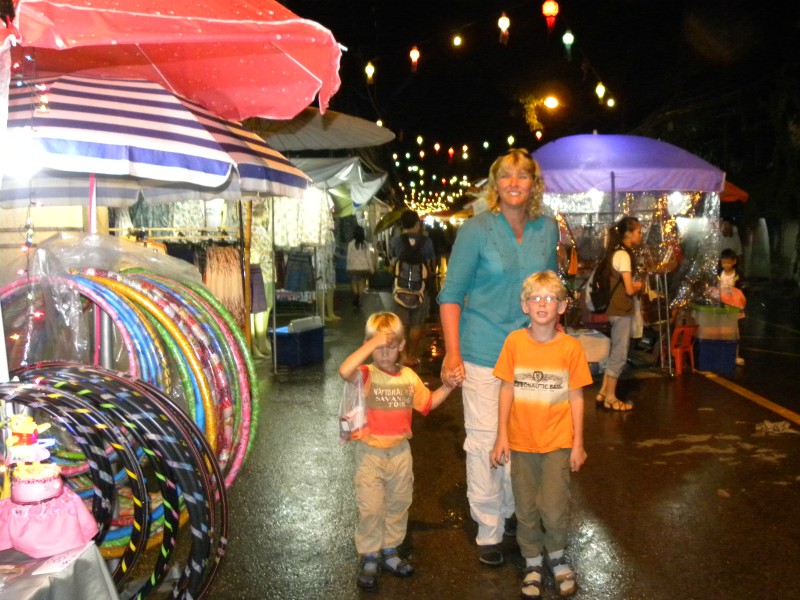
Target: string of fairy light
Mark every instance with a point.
(428, 192)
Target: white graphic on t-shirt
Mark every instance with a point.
(538, 380)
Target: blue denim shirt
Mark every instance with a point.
(484, 275)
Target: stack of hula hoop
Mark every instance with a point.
(144, 464)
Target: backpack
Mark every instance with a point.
(410, 275)
(598, 287)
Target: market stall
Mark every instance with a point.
(152, 442)
(593, 180)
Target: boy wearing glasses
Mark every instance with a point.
(540, 429)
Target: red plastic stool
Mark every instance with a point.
(683, 346)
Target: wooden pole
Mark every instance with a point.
(246, 226)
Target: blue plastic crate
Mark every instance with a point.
(716, 356)
(298, 348)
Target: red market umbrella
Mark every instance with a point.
(237, 58)
(733, 193)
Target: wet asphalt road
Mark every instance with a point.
(684, 497)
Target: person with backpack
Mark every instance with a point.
(494, 252)
(623, 238)
(413, 257)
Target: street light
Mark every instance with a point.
(370, 71)
(533, 105)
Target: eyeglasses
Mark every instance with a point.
(545, 299)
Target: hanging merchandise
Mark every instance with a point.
(300, 272)
(223, 277)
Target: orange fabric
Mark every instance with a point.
(390, 399)
(543, 374)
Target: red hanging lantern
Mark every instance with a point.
(414, 54)
(550, 11)
(503, 23)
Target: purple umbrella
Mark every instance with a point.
(623, 163)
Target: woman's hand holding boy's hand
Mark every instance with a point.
(452, 370)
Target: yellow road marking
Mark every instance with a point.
(753, 397)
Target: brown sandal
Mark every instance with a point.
(617, 405)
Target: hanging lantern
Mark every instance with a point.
(414, 54)
(600, 90)
(370, 71)
(568, 39)
(550, 11)
(503, 23)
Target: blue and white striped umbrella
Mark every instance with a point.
(138, 139)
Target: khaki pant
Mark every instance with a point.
(384, 483)
(541, 491)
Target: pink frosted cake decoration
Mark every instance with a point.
(36, 483)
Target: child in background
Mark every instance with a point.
(384, 477)
(730, 287)
(540, 429)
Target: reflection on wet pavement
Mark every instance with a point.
(679, 497)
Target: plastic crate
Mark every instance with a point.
(298, 348)
(716, 356)
(716, 322)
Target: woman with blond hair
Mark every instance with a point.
(479, 305)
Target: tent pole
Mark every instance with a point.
(613, 198)
(274, 286)
(245, 228)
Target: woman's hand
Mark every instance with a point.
(500, 453)
(452, 370)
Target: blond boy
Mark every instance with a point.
(384, 477)
(540, 429)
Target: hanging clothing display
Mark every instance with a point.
(258, 295)
(223, 277)
(300, 273)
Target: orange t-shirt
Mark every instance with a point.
(542, 374)
(390, 399)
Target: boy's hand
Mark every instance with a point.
(382, 338)
(500, 454)
(576, 458)
(452, 370)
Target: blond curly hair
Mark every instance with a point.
(517, 157)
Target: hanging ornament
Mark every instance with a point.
(568, 39)
(503, 23)
(600, 90)
(414, 54)
(550, 11)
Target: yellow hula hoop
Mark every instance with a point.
(183, 343)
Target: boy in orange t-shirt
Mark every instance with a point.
(384, 478)
(540, 429)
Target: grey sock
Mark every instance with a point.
(534, 562)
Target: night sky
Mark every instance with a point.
(668, 64)
(647, 53)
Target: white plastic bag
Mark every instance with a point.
(353, 410)
(637, 327)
